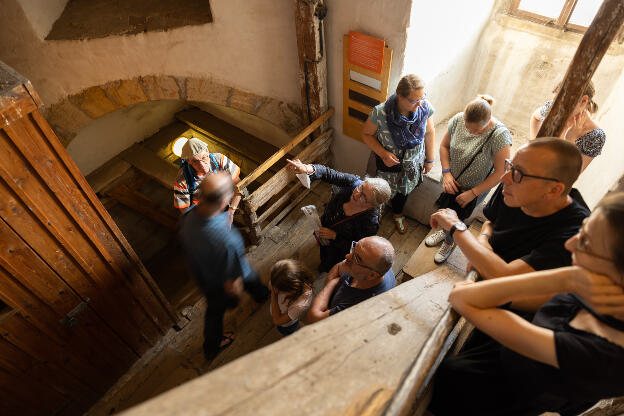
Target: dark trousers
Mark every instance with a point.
(218, 302)
(398, 202)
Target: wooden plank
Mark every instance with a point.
(288, 208)
(270, 210)
(357, 355)
(107, 173)
(143, 205)
(592, 48)
(312, 61)
(285, 149)
(78, 235)
(274, 185)
(149, 163)
(232, 138)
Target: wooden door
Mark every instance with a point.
(77, 305)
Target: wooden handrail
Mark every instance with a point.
(284, 150)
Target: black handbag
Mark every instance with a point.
(446, 200)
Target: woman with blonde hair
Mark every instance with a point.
(401, 133)
(572, 353)
(472, 152)
(580, 128)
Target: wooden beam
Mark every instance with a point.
(592, 48)
(274, 185)
(312, 61)
(143, 205)
(151, 164)
(284, 150)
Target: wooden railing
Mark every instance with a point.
(252, 204)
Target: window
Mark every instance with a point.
(573, 15)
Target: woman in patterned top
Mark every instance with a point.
(472, 152)
(401, 134)
(580, 129)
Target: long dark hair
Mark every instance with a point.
(290, 276)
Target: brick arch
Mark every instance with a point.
(74, 112)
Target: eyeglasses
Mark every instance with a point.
(581, 245)
(422, 100)
(355, 259)
(360, 193)
(517, 175)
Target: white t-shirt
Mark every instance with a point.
(297, 308)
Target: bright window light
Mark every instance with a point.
(177, 146)
(549, 8)
(584, 12)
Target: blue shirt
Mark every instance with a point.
(215, 252)
(345, 296)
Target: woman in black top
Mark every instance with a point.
(569, 357)
(351, 214)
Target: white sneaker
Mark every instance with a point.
(435, 238)
(443, 253)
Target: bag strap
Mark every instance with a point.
(350, 217)
(476, 154)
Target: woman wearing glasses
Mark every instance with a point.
(570, 356)
(472, 152)
(580, 129)
(401, 134)
(351, 214)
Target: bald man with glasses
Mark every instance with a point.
(365, 272)
(530, 215)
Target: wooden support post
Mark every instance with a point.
(592, 48)
(250, 218)
(309, 16)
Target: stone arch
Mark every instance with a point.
(74, 112)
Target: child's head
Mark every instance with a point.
(290, 276)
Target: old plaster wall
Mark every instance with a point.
(246, 59)
(42, 14)
(520, 62)
(432, 39)
(105, 137)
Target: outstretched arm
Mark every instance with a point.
(320, 305)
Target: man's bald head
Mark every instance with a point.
(379, 251)
(216, 190)
(562, 161)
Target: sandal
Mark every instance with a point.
(400, 224)
(226, 340)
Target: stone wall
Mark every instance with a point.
(68, 116)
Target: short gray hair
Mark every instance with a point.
(380, 189)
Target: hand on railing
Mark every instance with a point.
(297, 166)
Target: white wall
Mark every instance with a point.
(42, 14)
(441, 41)
(104, 138)
(377, 18)
(251, 45)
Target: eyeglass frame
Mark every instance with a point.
(421, 100)
(353, 256)
(360, 189)
(584, 251)
(510, 167)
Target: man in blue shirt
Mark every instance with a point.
(217, 260)
(365, 272)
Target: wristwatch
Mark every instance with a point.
(457, 226)
(233, 208)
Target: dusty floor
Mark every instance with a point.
(178, 357)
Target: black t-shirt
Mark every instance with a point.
(590, 367)
(539, 241)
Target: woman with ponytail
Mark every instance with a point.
(580, 129)
(472, 152)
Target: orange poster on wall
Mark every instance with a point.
(366, 51)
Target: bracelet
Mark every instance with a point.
(473, 192)
(485, 234)
(233, 208)
(445, 170)
(428, 161)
